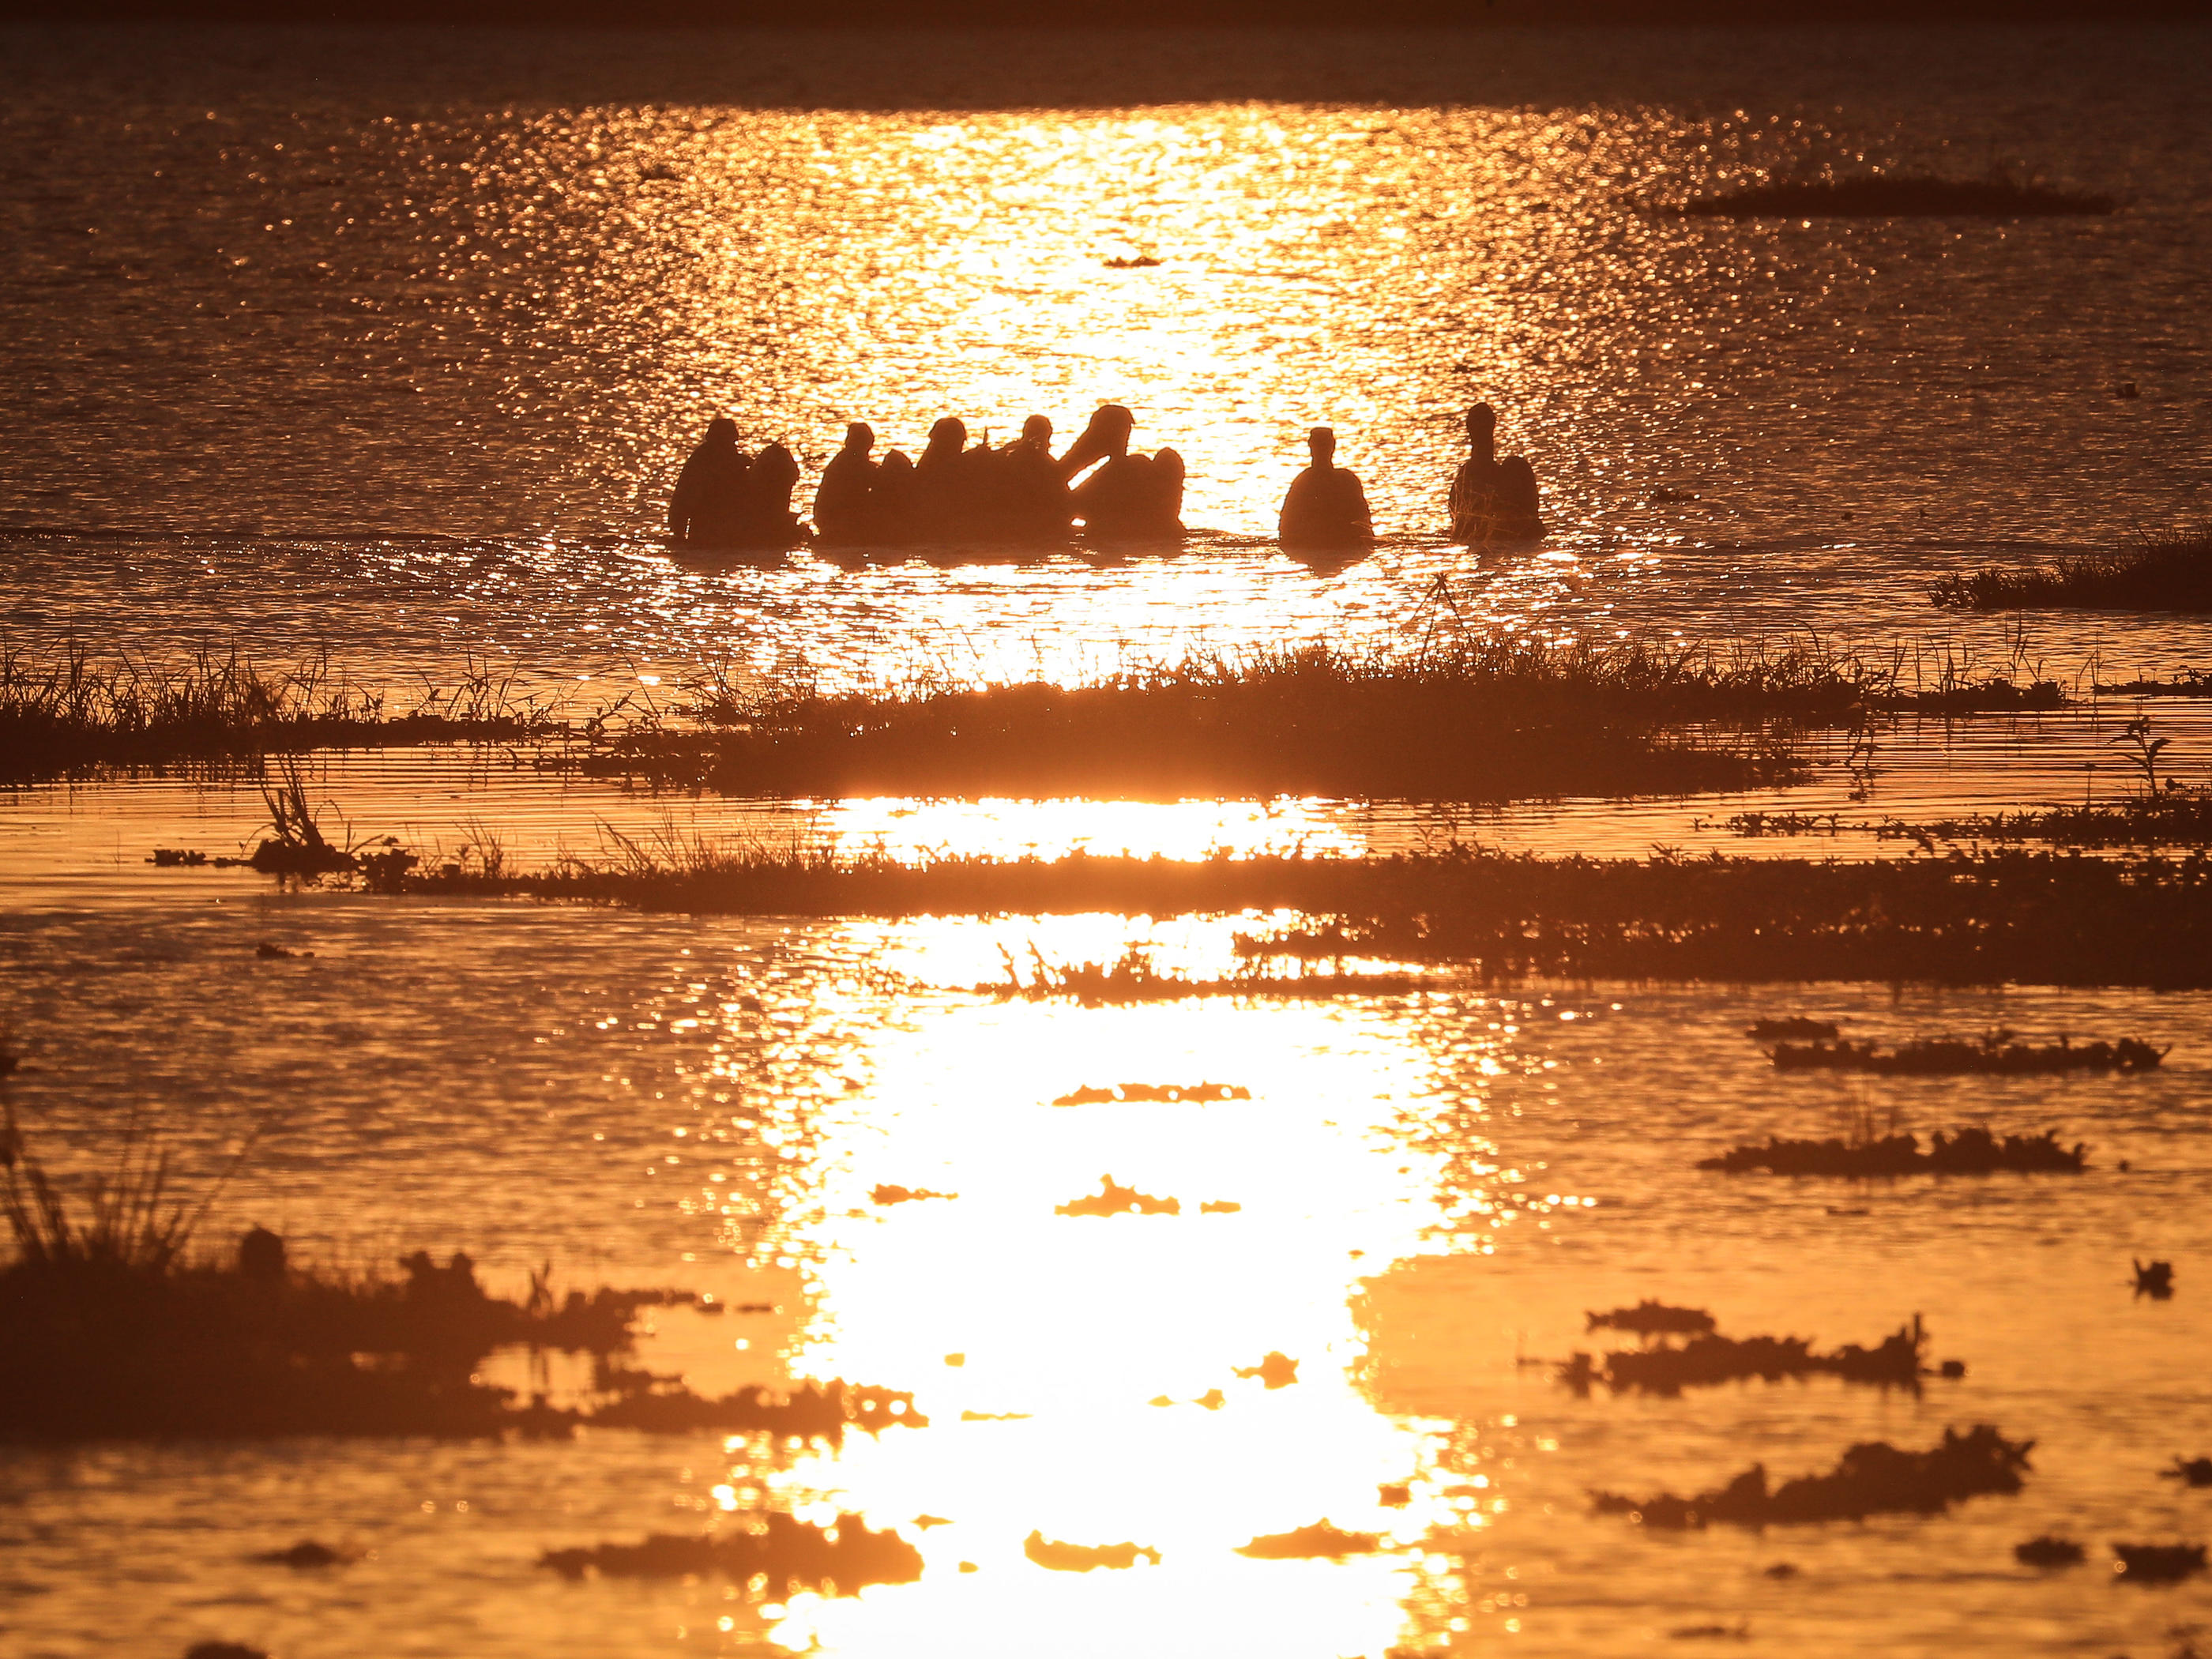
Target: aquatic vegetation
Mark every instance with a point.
(1319, 1542)
(114, 1333)
(2048, 1551)
(2154, 573)
(1897, 195)
(304, 1555)
(2153, 1278)
(1994, 916)
(2159, 1563)
(2189, 1471)
(1457, 718)
(1970, 1150)
(69, 711)
(1275, 1371)
(2175, 815)
(1706, 1361)
(1114, 1199)
(1652, 1317)
(1084, 1557)
(1152, 1092)
(786, 1554)
(1871, 1477)
(889, 1195)
(2189, 683)
(810, 1411)
(1135, 978)
(1945, 1057)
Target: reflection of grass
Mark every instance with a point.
(1967, 918)
(67, 711)
(2169, 573)
(1897, 195)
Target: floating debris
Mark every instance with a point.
(1113, 1198)
(787, 1553)
(1971, 1150)
(269, 952)
(224, 1650)
(1220, 1207)
(1141, 261)
(2190, 1472)
(813, 1411)
(1277, 1370)
(1651, 1317)
(2048, 1550)
(306, 1553)
(1319, 1542)
(925, 1522)
(1084, 1557)
(1796, 1026)
(1871, 1477)
(1709, 1633)
(1946, 1057)
(2153, 1278)
(2159, 1563)
(1150, 1093)
(887, 1194)
(1704, 1361)
(1782, 1569)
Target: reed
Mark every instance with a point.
(2152, 573)
(64, 711)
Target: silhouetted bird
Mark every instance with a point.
(765, 518)
(1491, 498)
(943, 488)
(842, 507)
(708, 500)
(1028, 501)
(1325, 507)
(1131, 496)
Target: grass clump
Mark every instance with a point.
(1971, 1150)
(2176, 815)
(1897, 195)
(114, 1330)
(1993, 1054)
(1464, 719)
(1134, 979)
(1871, 1477)
(1708, 1359)
(66, 712)
(783, 1555)
(1982, 917)
(2153, 572)
(1650, 1318)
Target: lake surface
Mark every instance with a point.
(389, 348)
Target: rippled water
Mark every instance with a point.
(391, 345)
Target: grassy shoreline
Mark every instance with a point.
(69, 714)
(2153, 572)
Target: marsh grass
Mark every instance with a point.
(1871, 1477)
(1898, 196)
(1708, 1359)
(2152, 573)
(1135, 978)
(2174, 815)
(1966, 918)
(117, 1328)
(64, 711)
(1456, 717)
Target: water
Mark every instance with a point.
(388, 345)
